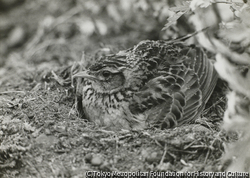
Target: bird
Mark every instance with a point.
(159, 84)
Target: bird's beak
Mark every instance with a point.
(84, 74)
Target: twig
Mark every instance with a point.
(214, 104)
(208, 152)
(7, 92)
(164, 154)
(57, 78)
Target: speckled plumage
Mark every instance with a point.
(155, 83)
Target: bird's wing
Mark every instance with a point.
(204, 70)
(205, 78)
(164, 103)
(179, 91)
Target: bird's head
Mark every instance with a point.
(110, 74)
(128, 70)
(106, 79)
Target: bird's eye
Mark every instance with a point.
(106, 74)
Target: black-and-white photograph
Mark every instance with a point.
(124, 88)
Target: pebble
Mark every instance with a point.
(153, 158)
(60, 128)
(105, 166)
(30, 115)
(164, 166)
(47, 132)
(88, 158)
(96, 160)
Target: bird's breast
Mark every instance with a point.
(105, 109)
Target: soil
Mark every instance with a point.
(41, 133)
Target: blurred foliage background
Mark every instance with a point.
(62, 30)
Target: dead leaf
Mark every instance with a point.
(173, 19)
